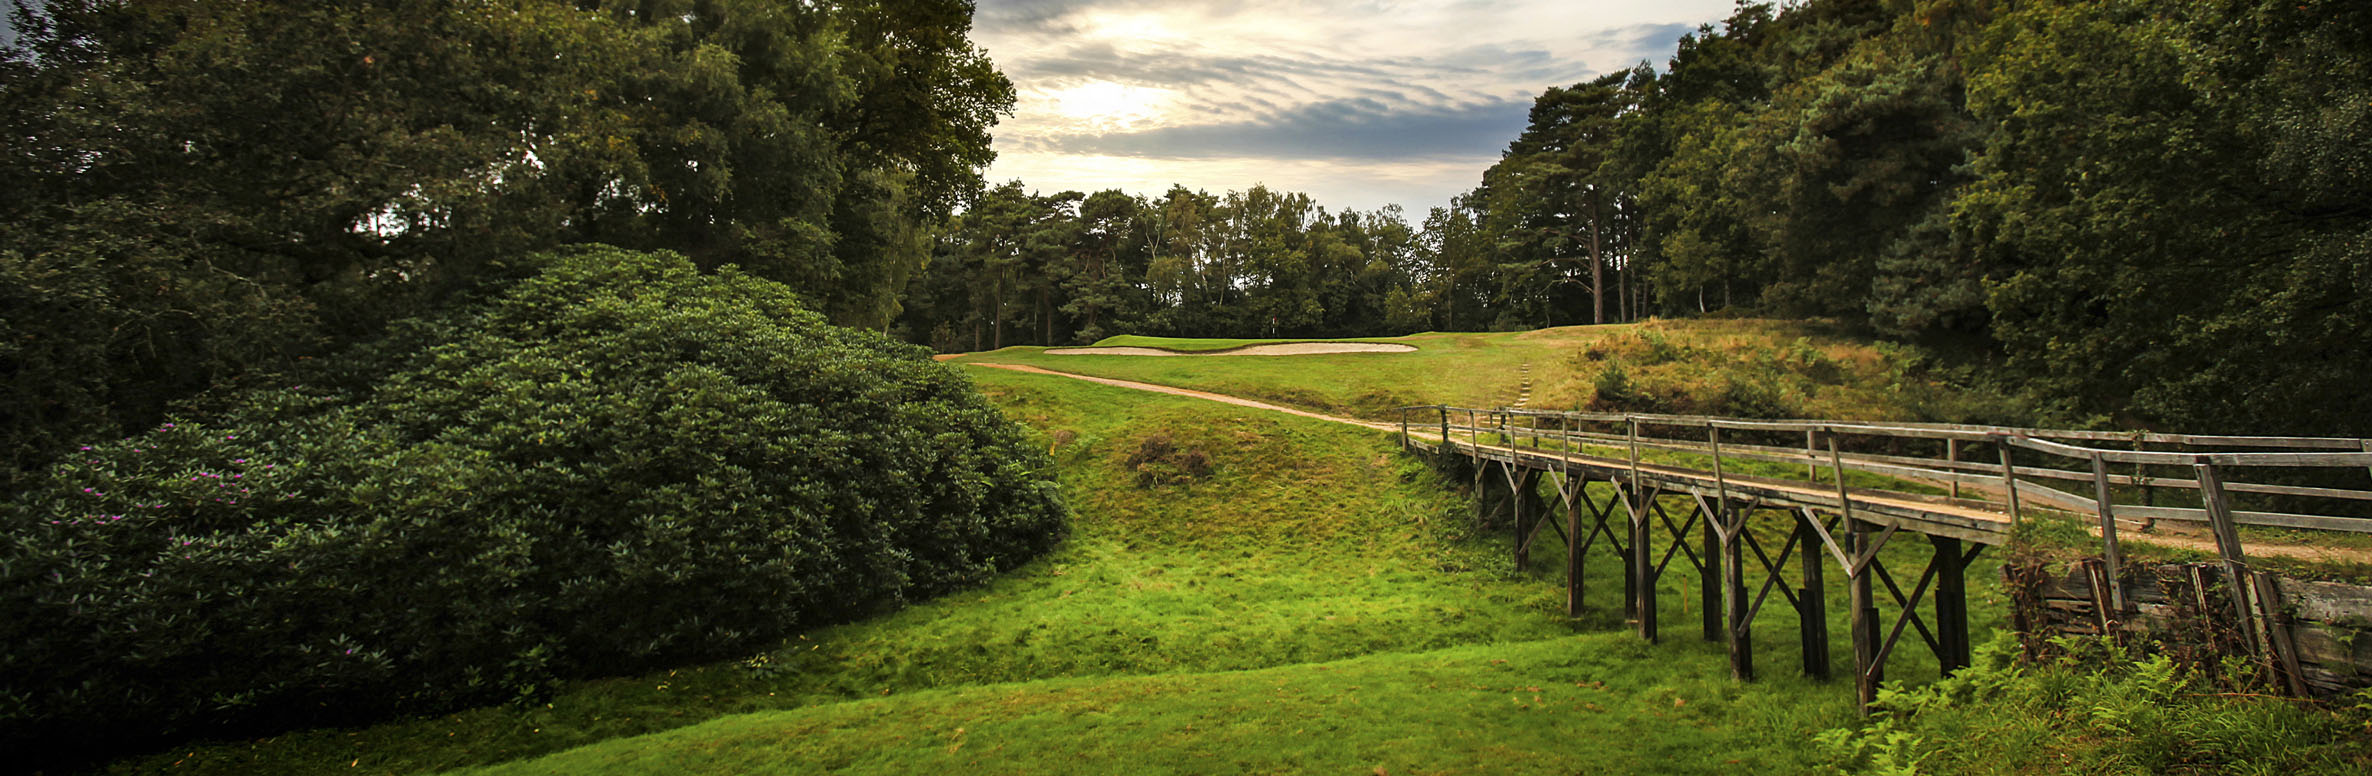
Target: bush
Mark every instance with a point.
(611, 464)
(1160, 461)
(2094, 710)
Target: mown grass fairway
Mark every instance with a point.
(1730, 367)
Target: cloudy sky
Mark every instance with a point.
(1358, 103)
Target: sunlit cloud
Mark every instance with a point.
(1357, 102)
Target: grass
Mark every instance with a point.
(1305, 542)
(1244, 591)
(1739, 367)
(1575, 704)
(1203, 601)
(1261, 618)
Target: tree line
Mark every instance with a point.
(198, 194)
(2148, 212)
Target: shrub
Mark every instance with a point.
(1614, 390)
(1160, 461)
(610, 464)
(2094, 710)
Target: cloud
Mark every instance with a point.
(1342, 129)
(1331, 95)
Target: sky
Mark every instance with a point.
(1358, 103)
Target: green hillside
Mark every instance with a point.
(1245, 591)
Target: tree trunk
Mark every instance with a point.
(1622, 280)
(1597, 265)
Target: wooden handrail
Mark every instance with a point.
(2011, 480)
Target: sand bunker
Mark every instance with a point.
(1278, 349)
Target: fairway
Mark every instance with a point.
(1753, 368)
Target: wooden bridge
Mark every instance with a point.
(1851, 489)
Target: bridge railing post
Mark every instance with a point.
(2009, 478)
(1445, 426)
(2110, 554)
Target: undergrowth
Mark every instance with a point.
(2094, 709)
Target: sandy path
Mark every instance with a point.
(1277, 349)
(1217, 397)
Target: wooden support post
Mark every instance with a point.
(1951, 604)
(1867, 672)
(1812, 602)
(1741, 629)
(2103, 613)
(1709, 574)
(2266, 638)
(1576, 491)
(1643, 569)
(2110, 553)
(1716, 523)
(2009, 481)
(1637, 504)
(1404, 430)
(2227, 536)
(2281, 637)
(1812, 455)
(1519, 497)
(1630, 573)
(1530, 511)
(1952, 454)
(1445, 428)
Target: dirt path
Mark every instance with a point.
(2167, 534)
(1271, 349)
(1217, 397)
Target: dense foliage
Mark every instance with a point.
(195, 191)
(2093, 709)
(614, 463)
(2151, 210)
(1024, 267)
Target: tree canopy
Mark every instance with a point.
(192, 191)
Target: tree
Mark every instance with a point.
(233, 186)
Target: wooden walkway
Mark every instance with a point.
(1692, 488)
(1674, 481)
